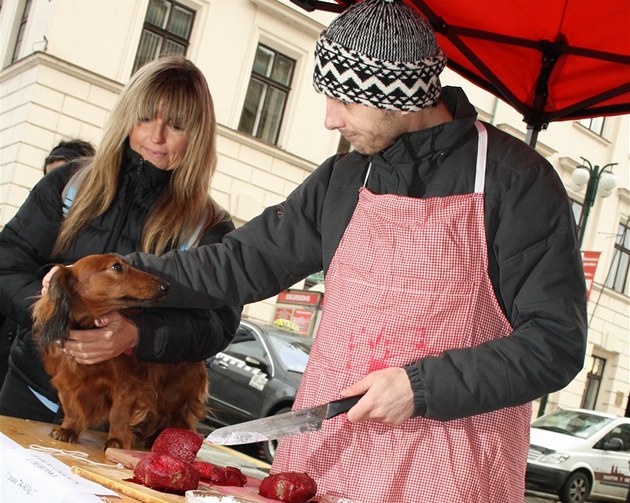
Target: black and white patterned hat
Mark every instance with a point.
(382, 54)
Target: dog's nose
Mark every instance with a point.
(164, 287)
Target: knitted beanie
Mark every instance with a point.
(382, 54)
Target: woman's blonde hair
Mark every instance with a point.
(176, 88)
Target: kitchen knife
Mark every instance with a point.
(281, 425)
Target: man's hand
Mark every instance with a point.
(114, 335)
(388, 397)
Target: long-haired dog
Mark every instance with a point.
(137, 398)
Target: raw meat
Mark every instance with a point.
(219, 475)
(179, 443)
(166, 473)
(291, 487)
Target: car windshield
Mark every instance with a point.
(570, 422)
(293, 350)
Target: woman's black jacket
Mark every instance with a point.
(26, 243)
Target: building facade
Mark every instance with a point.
(63, 63)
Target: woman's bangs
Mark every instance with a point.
(174, 104)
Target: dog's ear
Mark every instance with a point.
(51, 313)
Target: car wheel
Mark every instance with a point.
(576, 488)
(270, 447)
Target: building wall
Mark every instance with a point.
(77, 55)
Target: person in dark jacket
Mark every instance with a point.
(454, 289)
(64, 151)
(146, 188)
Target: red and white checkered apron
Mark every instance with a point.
(409, 279)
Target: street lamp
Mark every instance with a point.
(597, 181)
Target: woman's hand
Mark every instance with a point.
(388, 397)
(115, 334)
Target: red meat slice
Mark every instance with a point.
(178, 442)
(166, 473)
(219, 475)
(291, 487)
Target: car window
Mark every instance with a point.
(293, 352)
(575, 423)
(246, 348)
(246, 344)
(622, 432)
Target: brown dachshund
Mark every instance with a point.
(135, 397)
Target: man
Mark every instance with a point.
(66, 151)
(454, 286)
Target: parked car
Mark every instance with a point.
(257, 375)
(579, 454)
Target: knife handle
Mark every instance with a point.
(337, 407)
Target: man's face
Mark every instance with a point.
(369, 130)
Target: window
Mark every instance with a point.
(167, 29)
(267, 94)
(344, 145)
(577, 213)
(593, 382)
(21, 30)
(246, 344)
(621, 432)
(595, 124)
(617, 278)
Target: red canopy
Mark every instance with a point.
(550, 59)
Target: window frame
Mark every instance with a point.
(593, 125)
(578, 208)
(619, 270)
(19, 37)
(594, 379)
(163, 33)
(263, 107)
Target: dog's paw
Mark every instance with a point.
(64, 435)
(115, 443)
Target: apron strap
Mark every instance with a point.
(482, 153)
(367, 175)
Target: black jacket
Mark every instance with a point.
(26, 242)
(534, 259)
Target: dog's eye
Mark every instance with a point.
(118, 267)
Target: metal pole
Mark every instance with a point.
(589, 198)
(595, 173)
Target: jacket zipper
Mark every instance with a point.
(115, 235)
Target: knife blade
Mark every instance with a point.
(281, 425)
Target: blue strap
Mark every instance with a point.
(49, 404)
(67, 200)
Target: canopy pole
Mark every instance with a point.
(532, 135)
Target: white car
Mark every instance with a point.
(579, 454)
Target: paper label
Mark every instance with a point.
(27, 476)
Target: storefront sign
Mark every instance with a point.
(590, 260)
(300, 297)
(298, 310)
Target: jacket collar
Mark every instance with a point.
(415, 146)
(133, 162)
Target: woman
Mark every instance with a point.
(146, 189)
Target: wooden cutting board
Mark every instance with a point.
(128, 458)
(217, 454)
(119, 481)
